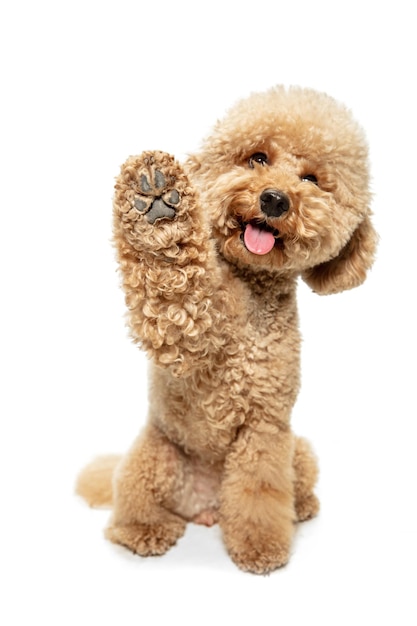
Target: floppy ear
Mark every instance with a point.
(349, 268)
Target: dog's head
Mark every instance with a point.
(285, 179)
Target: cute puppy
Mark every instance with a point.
(210, 252)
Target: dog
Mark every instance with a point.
(210, 253)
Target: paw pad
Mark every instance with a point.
(155, 199)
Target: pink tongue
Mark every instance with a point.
(257, 240)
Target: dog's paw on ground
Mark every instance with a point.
(147, 539)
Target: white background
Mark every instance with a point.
(84, 85)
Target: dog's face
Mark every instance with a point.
(285, 179)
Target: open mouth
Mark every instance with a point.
(259, 238)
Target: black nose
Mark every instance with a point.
(274, 202)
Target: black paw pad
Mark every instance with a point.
(159, 210)
(156, 202)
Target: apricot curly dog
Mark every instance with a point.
(209, 254)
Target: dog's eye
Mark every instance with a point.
(258, 157)
(310, 178)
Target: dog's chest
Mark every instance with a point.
(255, 377)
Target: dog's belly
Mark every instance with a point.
(197, 498)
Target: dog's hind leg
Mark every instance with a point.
(306, 472)
(145, 484)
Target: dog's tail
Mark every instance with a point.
(95, 481)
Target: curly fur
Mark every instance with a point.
(220, 322)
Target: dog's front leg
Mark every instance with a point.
(257, 499)
(171, 278)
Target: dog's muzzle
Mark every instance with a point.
(274, 202)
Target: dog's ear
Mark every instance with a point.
(349, 268)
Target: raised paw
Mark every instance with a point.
(149, 185)
(156, 200)
(153, 192)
